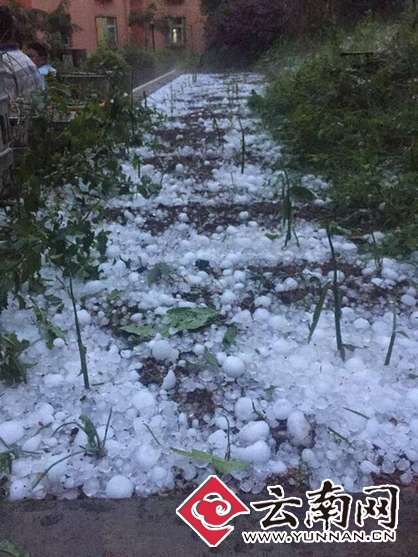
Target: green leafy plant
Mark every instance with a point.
(221, 465)
(230, 335)
(141, 332)
(148, 188)
(347, 112)
(159, 272)
(190, 319)
(50, 331)
(11, 453)
(318, 310)
(12, 369)
(96, 446)
(12, 550)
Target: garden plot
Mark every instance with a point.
(197, 333)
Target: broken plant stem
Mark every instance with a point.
(243, 145)
(287, 209)
(337, 297)
(392, 340)
(81, 348)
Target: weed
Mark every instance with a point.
(318, 310)
(11, 453)
(12, 369)
(96, 446)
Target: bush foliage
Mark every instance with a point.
(243, 29)
(349, 112)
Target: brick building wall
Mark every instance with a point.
(175, 23)
(87, 16)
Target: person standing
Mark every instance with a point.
(19, 76)
(39, 54)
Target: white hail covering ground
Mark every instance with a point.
(290, 405)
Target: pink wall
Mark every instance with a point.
(189, 9)
(84, 13)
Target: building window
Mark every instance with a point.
(177, 31)
(107, 31)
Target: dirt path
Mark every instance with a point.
(149, 528)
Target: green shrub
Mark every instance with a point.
(107, 60)
(142, 62)
(353, 118)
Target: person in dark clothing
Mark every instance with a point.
(39, 54)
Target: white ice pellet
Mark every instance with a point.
(413, 396)
(83, 316)
(361, 324)
(218, 439)
(59, 343)
(199, 349)
(18, 490)
(233, 366)
(53, 380)
(290, 284)
(11, 432)
(244, 409)
(278, 467)
(147, 457)
(261, 314)
(368, 467)
(264, 301)
(169, 381)
(32, 444)
(113, 251)
(133, 278)
(281, 409)
(258, 453)
(413, 319)
(228, 297)
(254, 431)
(162, 350)
(119, 487)
(144, 402)
(408, 300)
(299, 429)
(244, 317)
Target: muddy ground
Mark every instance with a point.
(150, 528)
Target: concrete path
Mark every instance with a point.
(152, 86)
